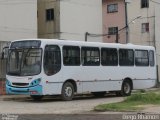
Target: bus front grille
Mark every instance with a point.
(20, 84)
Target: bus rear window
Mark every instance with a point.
(151, 58)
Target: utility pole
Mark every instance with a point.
(117, 37)
(86, 35)
(126, 21)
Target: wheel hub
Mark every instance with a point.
(68, 91)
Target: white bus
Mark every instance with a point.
(57, 67)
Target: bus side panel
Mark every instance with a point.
(52, 85)
(73, 73)
(100, 78)
(145, 77)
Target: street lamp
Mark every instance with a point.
(126, 27)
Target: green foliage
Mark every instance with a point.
(131, 103)
(147, 98)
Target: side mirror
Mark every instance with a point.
(4, 53)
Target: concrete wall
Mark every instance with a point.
(80, 16)
(157, 35)
(18, 19)
(115, 19)
(48, 29)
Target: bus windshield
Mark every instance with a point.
(24, 62)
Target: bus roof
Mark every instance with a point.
(83, 43)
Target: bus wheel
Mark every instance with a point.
(99, 94)
(37, 97)
(67, 91)
(126, 88)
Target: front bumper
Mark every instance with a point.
(34, 90)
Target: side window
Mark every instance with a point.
(112, 8)
(151, 58)
(126, 57)
(90, 56)
(141, 58)
(52, 59)
(109, 57)
(144, 3)
(49, 14)
(71, 55)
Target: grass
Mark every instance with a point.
(132, 103)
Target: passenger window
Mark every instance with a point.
(109, 57)
(71, 55)
(126, 57)
(141, 58)
(151, 58)
(52, 59)
(90, 56)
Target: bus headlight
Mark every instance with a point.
(8, 83)
(35, 82)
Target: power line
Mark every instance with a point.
(155, 2)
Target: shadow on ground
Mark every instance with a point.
(23, 98)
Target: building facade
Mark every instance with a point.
(69, 19)
(114, 21)
(140, 21)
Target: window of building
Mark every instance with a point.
(145, 27)
(144, 3)
(112, 30)
(151, 58)
(126, 57)
(49, 14)
(112, 8)
(71, 55)
(141, 58)
(90, 56)
(109, 57)
(52, 59)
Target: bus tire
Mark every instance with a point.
(37, 97)
(99, 94)
(126, 88)
(67, 93)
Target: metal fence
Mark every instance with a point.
(2, 68)
(2, 76)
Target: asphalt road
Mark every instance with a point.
(62, 117)
(52, 105)
(53, 108)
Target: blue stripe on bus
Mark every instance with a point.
(30, 90)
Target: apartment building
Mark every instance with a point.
(114, 21)
(137, 22)
(70, 19)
